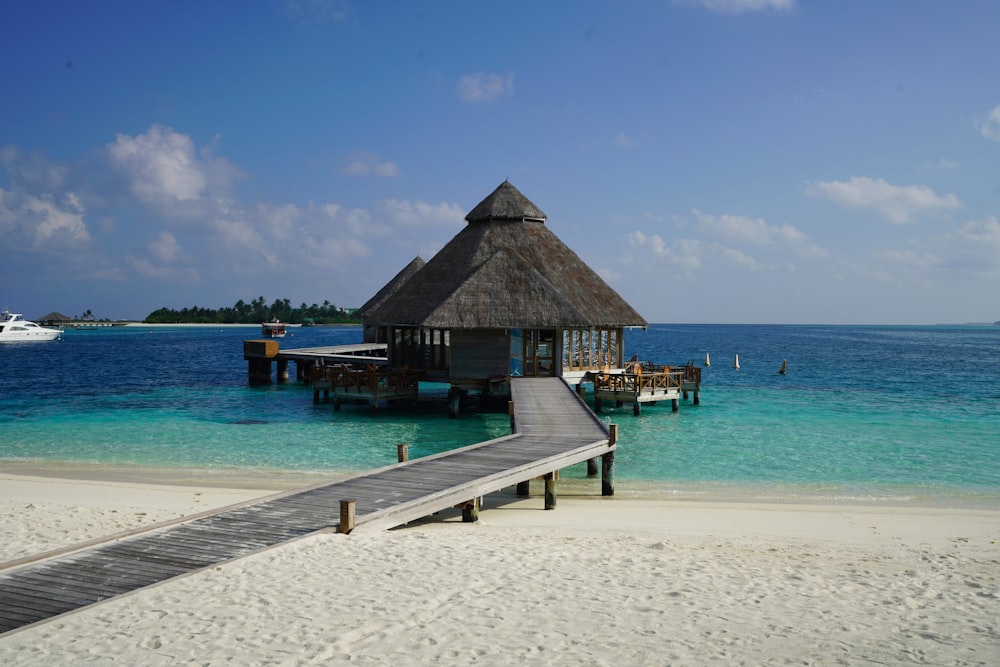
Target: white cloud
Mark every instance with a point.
(161, 164)
(47, 219)
(420, 213)
(485, 86)
(164, 167)
(622, 141)
(942, 164)
(740, 6)
(166, 274)
(366, 164)
(901, 204)
(757, 232)
(165, 248)
(990, 126)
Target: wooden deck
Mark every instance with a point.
(554, 429)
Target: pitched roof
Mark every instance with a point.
(506, 269)
(390, 288)
(505, 203)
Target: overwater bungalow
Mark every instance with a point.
(504, 298)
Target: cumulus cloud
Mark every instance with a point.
(366, 164)
(163, 166)
(758, 232)
(900, 204)
(485, 86)
(740, 6)
(990, 126)
(420, 213)
(165, 248)
(43, 219)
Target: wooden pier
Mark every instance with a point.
(642, 383)
(553, 429)
(261, 354)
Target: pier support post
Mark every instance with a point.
(696, 398)
(636, 408)
(470, 510)
(282, 370)
(346, 515)
(581, 391)
(510, 412)
(523, 489)
(403, 452)
(592, 467)
(608, 465)
(454, 402)
(675, 404)
(598, 404)
(550, 490)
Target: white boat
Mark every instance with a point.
(273, 329)
(14, 328)
(736, 363)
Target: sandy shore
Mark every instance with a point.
(595, 582)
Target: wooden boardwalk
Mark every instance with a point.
(554, 429)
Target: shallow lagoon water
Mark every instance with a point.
(880, 414)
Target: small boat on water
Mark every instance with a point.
(14, 328)
(736, 363)
(708, 362)
(273, 329)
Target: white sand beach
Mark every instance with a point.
(594, 582)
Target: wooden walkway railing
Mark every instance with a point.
(554, 429)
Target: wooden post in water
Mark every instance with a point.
(696, 398)
(523, 489)
(636, 409)
(347, 515)
(282, 370)
(608, 464)
(675, 404)
(592, 467)
(550, 490)
(510, 412)
(454, 402)
(403, 452)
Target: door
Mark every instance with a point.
(539, 352)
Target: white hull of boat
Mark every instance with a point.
(16, 329)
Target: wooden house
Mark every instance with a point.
(504, 298)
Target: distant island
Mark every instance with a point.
(255, 312)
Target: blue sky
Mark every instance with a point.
(773, 161)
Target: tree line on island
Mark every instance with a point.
(255, 312)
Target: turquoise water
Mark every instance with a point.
(864, 413)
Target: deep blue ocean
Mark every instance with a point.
(907, 414)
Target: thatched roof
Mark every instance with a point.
(506, 269)
(391, 287)
(55, 316)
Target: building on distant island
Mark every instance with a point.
(504, 298)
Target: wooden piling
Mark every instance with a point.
(608, 464)
(592, 467)
(403, 452)
(347, 508)
(513, 420)
(454, 402)
(523, 489)
(550, 490)
(470, 510)
(675, 404)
